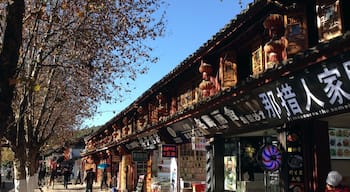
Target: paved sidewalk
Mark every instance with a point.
(58, 187)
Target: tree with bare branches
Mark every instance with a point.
(73, 54)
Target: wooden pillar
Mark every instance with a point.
(218, 163)
(316, 153)
(311, 22)
(345, 10)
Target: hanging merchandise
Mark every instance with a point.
(270, 157)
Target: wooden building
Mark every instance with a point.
(261, 106)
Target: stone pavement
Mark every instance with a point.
(7, 186)
(58, 187)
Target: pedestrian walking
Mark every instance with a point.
(53, 171)
(66, 177)
(89, 179)
(9, 172)
(42, 173)
(78, 178)
(104, 179)
(114, 182)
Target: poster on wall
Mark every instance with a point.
(230, 163)
(339, 143)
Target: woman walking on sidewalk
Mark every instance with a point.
(53, 169)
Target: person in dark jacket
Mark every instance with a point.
(104, 179)
(42, 174)
(89, 179)
(66, 177)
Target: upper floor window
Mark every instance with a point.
(328, 19)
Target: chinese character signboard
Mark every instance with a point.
(169, 150)
(323, 88)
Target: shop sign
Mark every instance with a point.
(116, 158)
(295, 161)
(169, 150)
(320, 89)
(149, 141)
(184, 130)
(132, 145)
(199, 143)
(139, 156)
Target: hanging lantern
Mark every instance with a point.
(275, 24)
(140, 110)
(125, 120)
(276, 49)
(205, 85)
(205, 67)
(115, 127)
(160, 96)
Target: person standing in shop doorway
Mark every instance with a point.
(333, 183)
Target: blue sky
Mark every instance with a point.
(190, 24)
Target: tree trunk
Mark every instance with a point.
(8, 62)
(32, 182)
(32, 167)
(19, 170)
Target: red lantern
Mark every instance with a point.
(205, 67)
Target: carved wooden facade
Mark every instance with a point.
(266, 41)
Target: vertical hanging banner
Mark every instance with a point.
(295, 161)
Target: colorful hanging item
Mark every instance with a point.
(271, 157)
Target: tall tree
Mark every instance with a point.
(73, 55)
(11, 16)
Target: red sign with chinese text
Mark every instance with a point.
(169, 151)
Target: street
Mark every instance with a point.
(58, 187)
(7, 186)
